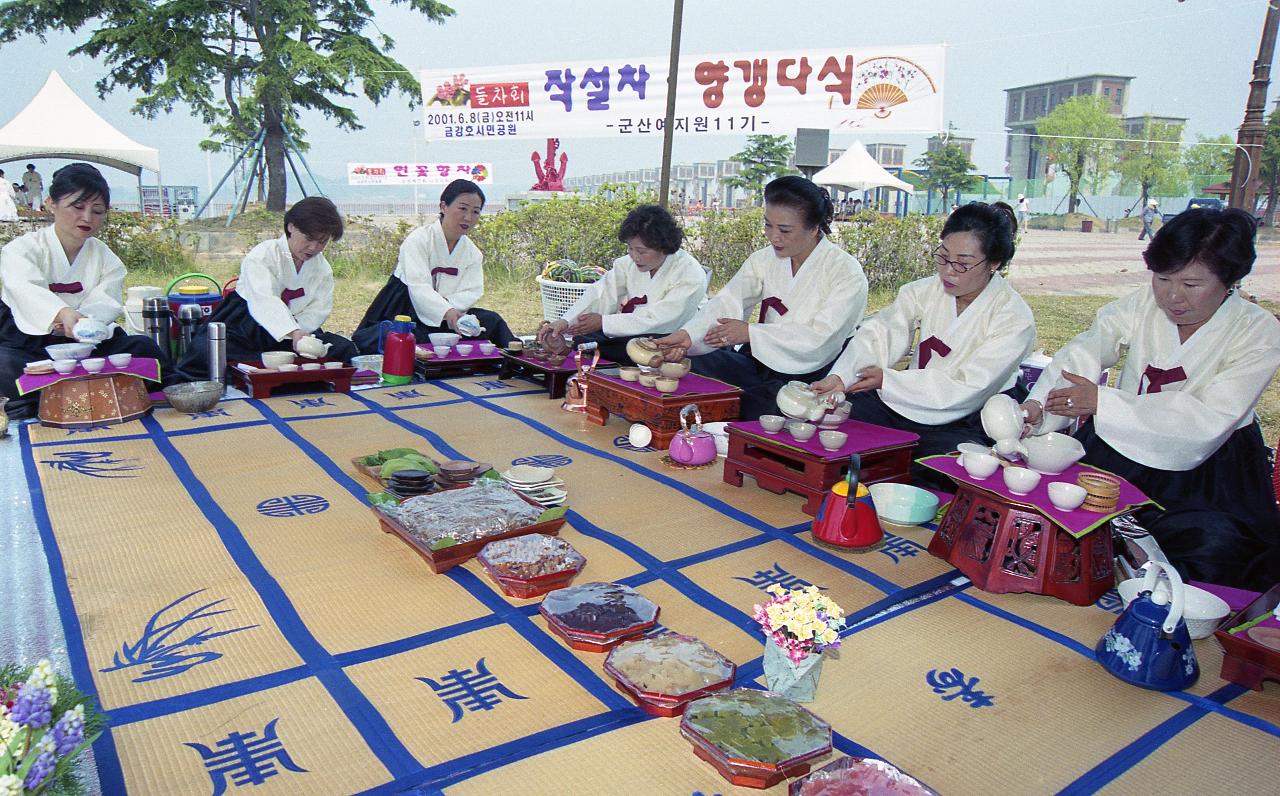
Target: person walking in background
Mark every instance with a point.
(8, 200)
(1024, 212)
(34, 183)
(1148, 218)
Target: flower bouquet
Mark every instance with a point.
(45, 723)
(798, 626)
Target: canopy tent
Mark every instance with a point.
(56, 123)
(856, 170)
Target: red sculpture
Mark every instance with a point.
(549, 177)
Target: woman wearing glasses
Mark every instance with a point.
(974, 331)
(811, 295)
(1180, 422)
(652, 290)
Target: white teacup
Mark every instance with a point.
(1066, 496)
(463, 349)
(979, 465)
(486, 348)
(802, 431)
(441, 350)
(287, 368)
(1020, 480)
(772, 423)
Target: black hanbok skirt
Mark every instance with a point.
(394, 300)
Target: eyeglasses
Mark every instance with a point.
(959, 266)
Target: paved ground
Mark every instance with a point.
(1076, 263)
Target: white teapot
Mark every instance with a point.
(798, 402)
(88, 330)
(311, 347)
(1002, 418)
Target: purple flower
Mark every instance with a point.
(68, 733)
(40, 771)
(34, 707)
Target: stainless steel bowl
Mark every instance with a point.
(197, 396)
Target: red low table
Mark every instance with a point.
(249, 377)
(635, 403)
(780, 463)
(456, 365)
(554, 377)
(1021, 543)
(81, 399)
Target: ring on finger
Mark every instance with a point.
(1069, 403)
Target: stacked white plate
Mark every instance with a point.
(538, 483)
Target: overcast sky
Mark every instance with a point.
(1192, 59)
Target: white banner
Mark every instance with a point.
(417, 173)
(865, 89)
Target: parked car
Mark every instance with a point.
(1211, 202)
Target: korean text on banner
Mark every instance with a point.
(871, 89)
(417, 173)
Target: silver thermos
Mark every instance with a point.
(189, 317)
(217, 351)
(156, 320)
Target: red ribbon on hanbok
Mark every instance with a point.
(65, 287)
(772, 303)
(445, 271)
(292, 293)
(930, 347)
(1156, 378)
(630, 304)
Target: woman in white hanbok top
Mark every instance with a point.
(652, 290)
(283, 294)
(811, 295)
(974, 330)
(1180, 422)
(438, 278)
(8, 200)
(57, 275)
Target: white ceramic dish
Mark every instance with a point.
(446, 339)
(69, 350)
(441, 350)
(1052, 453)
(464, 349)
(487, 348)
(120, 360)
(1066, 496)
(1201, 610)
(333, 365)
(312, 366)
(529, 474)
(979, 465)
(903, 504)
(833, 440)
(973, 447)
(369, 362)
(289, 368)
(802, 431)
(1020, 480)
(93, 364)
(639, 436)
(274, 359)
(772, 423)
(64, 366)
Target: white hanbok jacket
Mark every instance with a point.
(632, 303)
(280, 297)
(961, 360)
(37, 282)
(438, 279)
(804, 319)
(1175, 403)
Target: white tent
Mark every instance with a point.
(856, 170)
(58, 124)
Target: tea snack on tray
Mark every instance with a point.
(859, 776)
(531, 556)
(670, 664)
(757, 726)
(486, 508)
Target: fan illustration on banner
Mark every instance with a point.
(883, 83)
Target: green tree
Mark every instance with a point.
(1080, 137)
(947, 167)
(1270, 165)
(1151, 164)
(242, 65)
(1209, 160)
(763, 158)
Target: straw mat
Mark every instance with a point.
(232, 602)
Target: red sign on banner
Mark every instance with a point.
(500, 95)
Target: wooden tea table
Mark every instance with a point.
(456, 365)
(554, 377)
(780, 463)
(259, 382)
(607, 395)
(80, 399)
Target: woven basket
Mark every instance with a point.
(558, 297)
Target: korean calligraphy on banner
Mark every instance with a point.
(417, 173)
(896, 89)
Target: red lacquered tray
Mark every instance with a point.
(447, 558)
(658, 703)
(1245, 661)
(528, 588)
(597, 642)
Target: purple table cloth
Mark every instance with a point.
(690, 385)
(454, 356)
(570, 364)
(863, 438)
(1077, 522)
(142, 367)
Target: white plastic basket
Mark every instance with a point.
(558, 297)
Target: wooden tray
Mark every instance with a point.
(454, 365)
(260, 385)
(447, 558)
(661, 413)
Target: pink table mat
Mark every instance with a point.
(690, 384)
(863, 438)
(1077, 523)
(570, 364)
(142, 367)
(454, 356)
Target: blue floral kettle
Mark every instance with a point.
(1149, 645)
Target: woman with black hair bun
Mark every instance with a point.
(974, 331)
(283, 295)
(811, 295)
(438, 278)
(1181, 424)
(56, 276)
(653, 289)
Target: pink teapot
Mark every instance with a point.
(691, 445)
